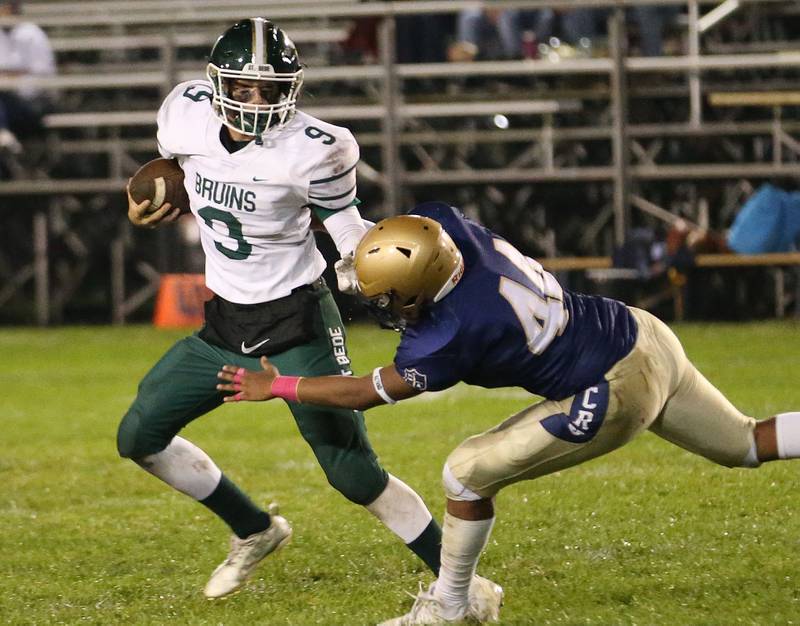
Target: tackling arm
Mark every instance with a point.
(347, 392)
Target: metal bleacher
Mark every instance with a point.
(519, 143)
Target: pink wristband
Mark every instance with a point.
(285, 387)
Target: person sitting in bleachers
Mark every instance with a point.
(25, 51)
(486, 34)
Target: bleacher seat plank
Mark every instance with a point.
(582, 263)
(180, 40)
(573, 263)
(754, 98)
(748, 260)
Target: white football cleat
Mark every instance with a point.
(245, 554)
(426, 610)
(485, 599)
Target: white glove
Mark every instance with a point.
(346, 275)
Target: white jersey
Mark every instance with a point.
(25, 49)
(252, 206)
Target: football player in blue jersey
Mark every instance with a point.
(606, 372)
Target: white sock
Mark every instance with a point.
(401, 510)
(787, 432)
(462, 544)
(185, 467)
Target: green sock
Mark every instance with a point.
(236, 509)
(428, 546)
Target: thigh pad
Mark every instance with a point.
(586, 415)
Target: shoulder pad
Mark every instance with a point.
(333, 179)
(329, 141)
(183, 118)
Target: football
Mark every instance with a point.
(160, 181)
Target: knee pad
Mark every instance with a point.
(134, 440)
(126, 435)
(586, 416)
(454, 489)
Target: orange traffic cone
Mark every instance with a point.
(180, 299)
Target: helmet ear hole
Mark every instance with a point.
(404, 251)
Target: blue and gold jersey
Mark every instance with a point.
(508, 323)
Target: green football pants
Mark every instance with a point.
(182, 386)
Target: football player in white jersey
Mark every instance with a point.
(257, 170)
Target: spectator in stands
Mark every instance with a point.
(423, 38)
(653, 22)
(579, 28)
(25, 51)
(492, 34)
(569, 25)
(361, 44)
(419, 38)
(486, 34)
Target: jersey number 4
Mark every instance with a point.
(539, 306)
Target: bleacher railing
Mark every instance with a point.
(402, 120)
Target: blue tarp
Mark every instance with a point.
(768, 222)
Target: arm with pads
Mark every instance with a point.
(346, 228)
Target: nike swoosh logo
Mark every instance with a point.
(259, 180)
(249, 349)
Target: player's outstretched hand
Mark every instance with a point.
(247, 384)
(140, 215)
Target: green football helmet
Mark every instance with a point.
(257, 51)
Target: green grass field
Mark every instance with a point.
(647, 535)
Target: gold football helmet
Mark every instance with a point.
(403, 263)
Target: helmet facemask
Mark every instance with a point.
(382, 309)
(254, 119)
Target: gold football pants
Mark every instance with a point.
(654, 387)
